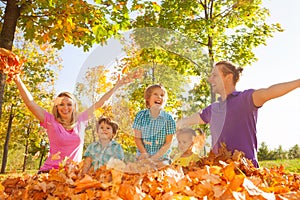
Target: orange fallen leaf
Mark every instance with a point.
(56, 156)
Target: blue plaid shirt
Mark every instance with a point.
(101, 155)
(154, 130)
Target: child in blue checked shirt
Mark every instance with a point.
(98, 153)
(153, 127)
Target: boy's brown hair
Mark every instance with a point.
(108, 121)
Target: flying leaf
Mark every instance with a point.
(10, 63)
(56, 156)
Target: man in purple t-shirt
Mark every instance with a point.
(233, 117)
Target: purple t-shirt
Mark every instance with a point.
(68, 143)
(233, 122)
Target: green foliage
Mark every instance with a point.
(226, 30)
(57, 22)
(265, 154)
(294, 152)
(39, 74)
(92, 86)
(75, 22)
(190, 36)
(290, 165)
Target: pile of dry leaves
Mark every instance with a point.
(222, 176)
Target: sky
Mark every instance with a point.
(279, 119)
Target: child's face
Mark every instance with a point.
(184, 141)
(157, 98)
(105, 131)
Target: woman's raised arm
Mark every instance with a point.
(36, 110)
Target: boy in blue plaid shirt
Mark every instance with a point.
(153, 127)
(98, 153)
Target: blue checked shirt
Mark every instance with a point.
(101, 155)
(154, 131)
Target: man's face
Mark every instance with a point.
(216, 80)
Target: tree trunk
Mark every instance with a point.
(25, 156)
(41, 160)
(26, 149)
(43, 153)
(211, 64)
(153, 73)
(7, 138)
(11, 15)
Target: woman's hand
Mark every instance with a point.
(130, 77)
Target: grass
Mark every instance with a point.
(15, 174)
(292, 165)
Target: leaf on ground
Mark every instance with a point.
(216, 176)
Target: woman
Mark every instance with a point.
(65, 127)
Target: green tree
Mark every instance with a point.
(54, 23)
(58, 22)
(21, 126)
(263, 152)
(226, 29)
(95, 83)
(294, 152)
(280, 153)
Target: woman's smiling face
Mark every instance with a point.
(65, 108)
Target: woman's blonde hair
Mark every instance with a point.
(67, 125)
